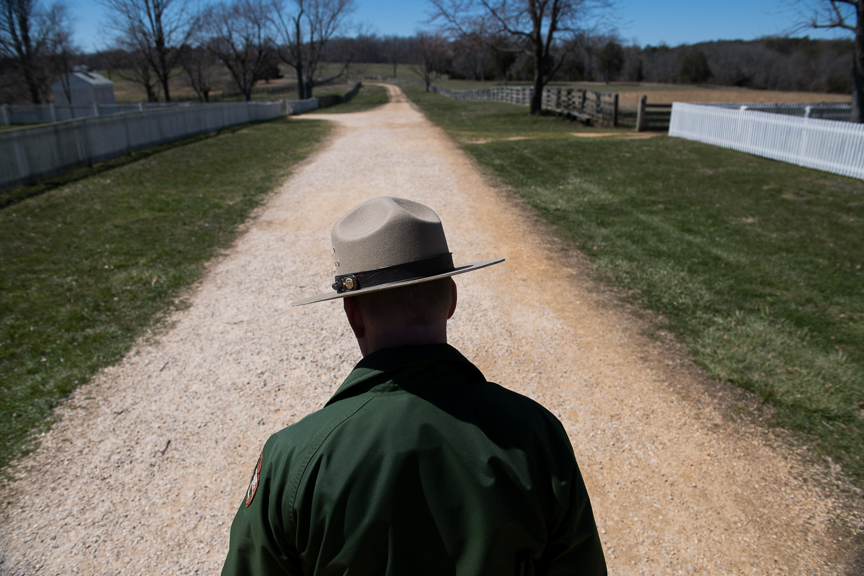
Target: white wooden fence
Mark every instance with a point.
(294, 107)
(30, 154)
(826, 110)
(812, 142)
(14, 114)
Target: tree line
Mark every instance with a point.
(152, 39)
(535, 41)
(774, 63)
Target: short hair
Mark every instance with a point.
(413, 305)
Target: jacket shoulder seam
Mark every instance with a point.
(313, 448)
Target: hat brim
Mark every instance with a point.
(457, 270)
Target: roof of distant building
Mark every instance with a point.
(91, 77)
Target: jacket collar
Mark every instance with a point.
(385, 365)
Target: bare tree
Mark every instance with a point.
(610, 60)
(504, 55)
(305, 27)
(588, 43)
(241, 38)
(471, 55)
(534, 24)
(845, 15)
(395, 49)
(155, 30)
(199, 64)
(27, 39)
(134, 67)
(60, 48)
(432, 50)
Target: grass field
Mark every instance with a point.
(756, 265)
(89, 265)
(629, 94)
(126, 91)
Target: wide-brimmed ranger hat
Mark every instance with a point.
(388, 243)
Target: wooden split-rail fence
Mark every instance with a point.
(652, 116)
(584, 105)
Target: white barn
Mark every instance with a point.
(86, 88)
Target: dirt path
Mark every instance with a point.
(144, 472)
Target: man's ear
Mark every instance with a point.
(453, 303)
(355, 317)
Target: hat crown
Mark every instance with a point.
(384, 232)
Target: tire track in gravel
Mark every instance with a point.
(143, 473)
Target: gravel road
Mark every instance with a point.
(146, 467)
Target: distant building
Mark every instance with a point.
(85, 88)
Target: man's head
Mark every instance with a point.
(410, 315)
(394, 268)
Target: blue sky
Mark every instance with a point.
(645, 21)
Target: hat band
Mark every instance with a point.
(416, 270)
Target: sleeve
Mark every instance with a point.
(573, 545)
(259, 542)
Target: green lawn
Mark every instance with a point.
(369, 97)
(88, 265)
(756, 265)
(468, 122)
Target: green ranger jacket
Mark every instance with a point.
(418, 465)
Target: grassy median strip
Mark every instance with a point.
(755, 264)
(88, 266)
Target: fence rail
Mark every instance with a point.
(656, 116)
(827, 145)
(582, 104)
(652, 116)
(841, 112)
(30, 154)
(16, 114)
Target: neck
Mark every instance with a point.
(402, 336)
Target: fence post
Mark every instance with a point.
(640, 114)
(5, 114)
(83, 156)
(598, 105)
(126, 118)
(53, 113)
(582, 101)
(96, 109)
(20, 157)
(615, 110)
(807, 111)
(140, 106)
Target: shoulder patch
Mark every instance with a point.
(253, 483)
